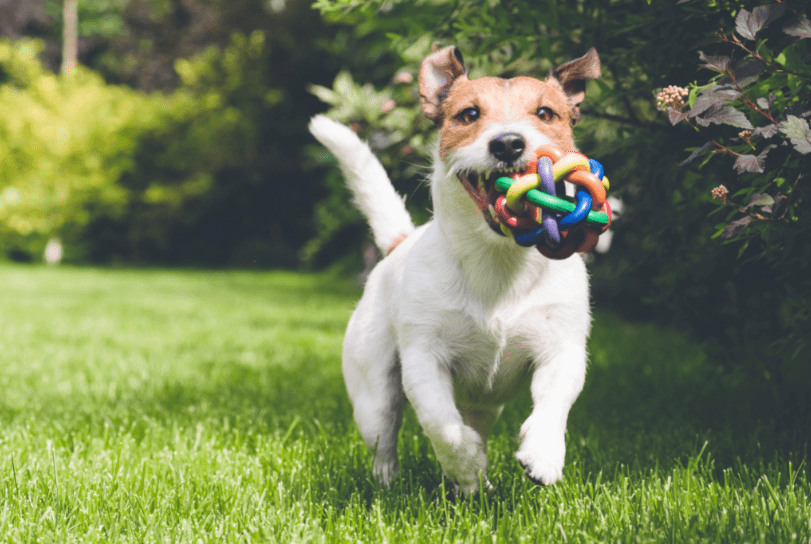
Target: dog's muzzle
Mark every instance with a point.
(481, 186)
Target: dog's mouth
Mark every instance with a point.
(481, 186)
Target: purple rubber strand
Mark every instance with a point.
(550, 230)
(547, 179)
(550, 225)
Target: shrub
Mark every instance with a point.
(64, 142)
(759, 99)
(738, 297)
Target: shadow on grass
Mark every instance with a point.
(652, 399)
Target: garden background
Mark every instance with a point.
(174, 152)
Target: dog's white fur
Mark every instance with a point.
(457, 319)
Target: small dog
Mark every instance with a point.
(457, 318)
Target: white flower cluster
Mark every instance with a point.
(672, 97)
(720, 193)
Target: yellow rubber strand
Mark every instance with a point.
(518, 189)
(568, 163)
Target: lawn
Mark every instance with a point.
(186, 406)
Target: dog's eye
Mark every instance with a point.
(469, 115)
(545, 114)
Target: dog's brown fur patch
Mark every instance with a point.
(501, 101)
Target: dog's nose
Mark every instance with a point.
(508, 147)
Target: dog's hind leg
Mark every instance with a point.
(373, 380)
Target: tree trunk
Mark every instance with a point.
(70, 37)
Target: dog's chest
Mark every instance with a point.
(488, 360)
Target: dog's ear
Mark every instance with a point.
(437, 73)
(573, 75)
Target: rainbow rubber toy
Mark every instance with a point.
(533, 215)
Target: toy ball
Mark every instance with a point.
(533, 214)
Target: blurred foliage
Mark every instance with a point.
(64, 143)
(665, 262)
(207, 171)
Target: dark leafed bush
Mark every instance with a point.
(747, 297)
(760, 99)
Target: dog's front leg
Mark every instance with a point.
(556, 383)
(459, 448)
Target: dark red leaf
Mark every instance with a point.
(747, 163)
(767, 132)
(676, 116)
(725, 115)
(736, 228)
(746, 72)
(717, 63)
(773, 12)
(706, 100)
(799, 27)
(747, 24)
(799, 132)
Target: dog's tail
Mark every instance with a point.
(374, 194)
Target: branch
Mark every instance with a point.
(793, 192)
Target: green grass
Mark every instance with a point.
(185, 406)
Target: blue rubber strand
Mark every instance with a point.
(597, 169)
(581, 211)
(529, 238)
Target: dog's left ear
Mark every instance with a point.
(437, 73)
(573, 75)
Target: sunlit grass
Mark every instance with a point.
(182, 405)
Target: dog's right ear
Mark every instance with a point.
(437, 73)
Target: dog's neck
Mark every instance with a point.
(492, 264)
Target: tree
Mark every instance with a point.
(70, 37)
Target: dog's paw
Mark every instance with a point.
(541, 455)
(539, 470)
(460, 451)
(486, 486)
(385, 470)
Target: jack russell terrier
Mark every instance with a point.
(457, 318)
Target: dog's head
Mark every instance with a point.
(491, 126)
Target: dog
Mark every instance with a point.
(457, 318)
